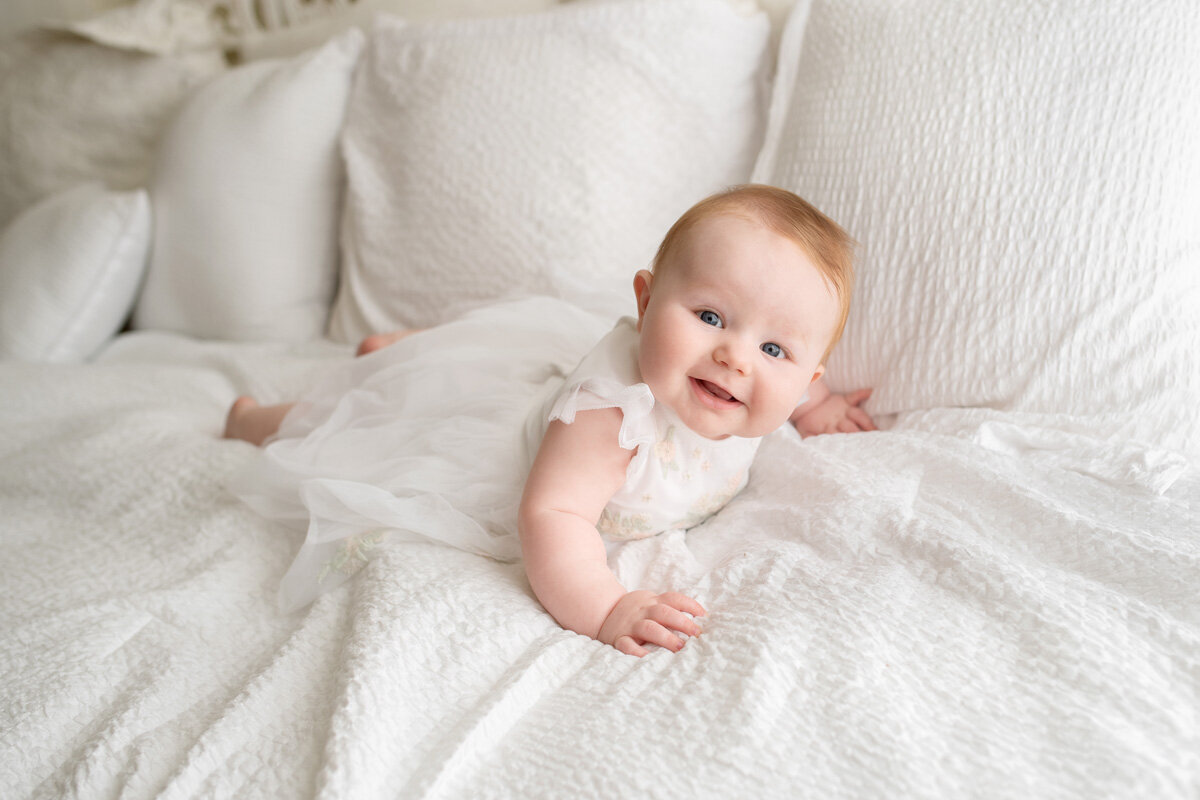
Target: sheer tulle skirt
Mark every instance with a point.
(425, 440)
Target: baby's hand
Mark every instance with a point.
(643, 617)
(837, 413)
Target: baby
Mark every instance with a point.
(654, 429)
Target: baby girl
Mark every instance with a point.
(478, 434)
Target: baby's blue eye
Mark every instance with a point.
(711, 318)
(773, 350)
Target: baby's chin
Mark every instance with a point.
(710, 429)
(745, 431)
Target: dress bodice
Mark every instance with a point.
(677, 478)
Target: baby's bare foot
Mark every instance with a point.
(252, 423)
(378, 341)
(238, 422)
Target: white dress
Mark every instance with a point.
(430, 439)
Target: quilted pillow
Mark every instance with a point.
(545, 153)
(1024, 178)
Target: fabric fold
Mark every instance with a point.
(1116, 462)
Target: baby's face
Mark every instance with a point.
(733, 328)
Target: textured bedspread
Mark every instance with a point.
(969, 604)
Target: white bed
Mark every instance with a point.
(998, 595)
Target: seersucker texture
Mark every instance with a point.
(542, 154)
(1024, 181)
(972, 604)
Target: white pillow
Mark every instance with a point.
(75, 111)
(545, 153)
(69, 271)
(1024, 177)
(246, 190)
(263, 37)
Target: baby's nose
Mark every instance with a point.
(732, 356)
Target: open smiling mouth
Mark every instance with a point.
(713, 395)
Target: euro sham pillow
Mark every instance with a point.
(75, 111)
(1024, 179)
(70, 266)
(537, 154)
(247, 188)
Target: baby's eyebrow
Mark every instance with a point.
(795, 341)
(795, 332)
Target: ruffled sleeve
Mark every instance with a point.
(608, 377)
(636, 404)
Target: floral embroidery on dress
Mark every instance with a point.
(664, 451)
(624, 526)
(352, 554)
(708, 504)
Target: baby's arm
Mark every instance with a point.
(827, 412)
(578, 469)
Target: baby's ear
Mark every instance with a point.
(642, 282)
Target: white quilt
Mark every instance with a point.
(969, 604)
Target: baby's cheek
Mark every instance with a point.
(649, 365)
(778, 406)
(657, 354)
(657, 378)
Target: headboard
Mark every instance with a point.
(266, 28)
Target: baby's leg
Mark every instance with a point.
(378, 341)
(250, 422)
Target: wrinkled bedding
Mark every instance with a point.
(970, 603)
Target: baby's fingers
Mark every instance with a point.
(682, 602)
(675, 620)
(629, 647)
(861, 418)
(651, 632)
(858, 396)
